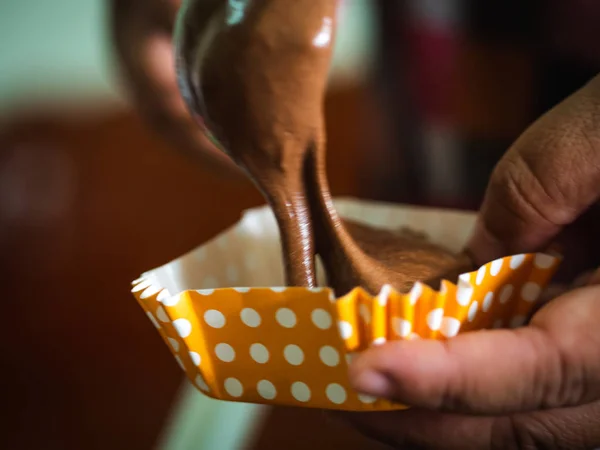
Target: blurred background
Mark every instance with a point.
(425, 96)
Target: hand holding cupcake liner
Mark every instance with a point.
(291, 346)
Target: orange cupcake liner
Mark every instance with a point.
(292, 346)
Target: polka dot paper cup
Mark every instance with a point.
(255, 342)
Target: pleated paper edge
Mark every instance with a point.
(144, 290)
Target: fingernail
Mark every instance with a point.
(373, 383)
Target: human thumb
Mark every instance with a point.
(544, 182)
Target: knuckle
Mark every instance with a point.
(547, 431)
(508, 434)
(570, 380)
(552, 382)
(553, 170)
(574, 346)
(518, 188)
(528, 434)
(455, 394)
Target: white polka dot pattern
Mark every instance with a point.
(496, 266)
(367, 399)
(286, 317)
(171, 301)
(384, 295)
(180, 362)
(242, 290)
(336, 393)
(472, 311)
(225, 352)
(201, 383)
(293, 354)
(233, 387)
(415, 293)
(196, 358)
(250, 317)
(516, 261)
(506, 293)
(183, 327)
(346, 330)
(350, 357)
(434, 319)
(163, 296)
(449, 327)
(464, 294)
(480, 275)
(531, 291)
(487, 301)
(292, 346)
(152, 319)
(266, 389)
(379, 341)
(174, 344)
(402, 327)
(543, 261)
(301, 391)
(321, 319)
(149, 292)
(161, 314)
(329, 356)
(214, 318)
(141, 286)
(259, 353)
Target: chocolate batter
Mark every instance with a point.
(256, 71)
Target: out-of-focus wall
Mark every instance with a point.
(53, 50)
(59, 50)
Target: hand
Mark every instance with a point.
(141, 30)
(533, 387)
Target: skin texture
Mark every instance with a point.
(259, 84)
(537, 387)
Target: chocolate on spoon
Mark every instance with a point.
(256, 72)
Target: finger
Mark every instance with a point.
(143, 40)
(422, 429)
(544, 182)
(161, 104)
(552, 363)
(567, 428)
(550, 293)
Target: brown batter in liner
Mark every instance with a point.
(259, 82)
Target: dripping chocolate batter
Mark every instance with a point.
(256, 71)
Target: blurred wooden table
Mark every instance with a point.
(86, 205)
